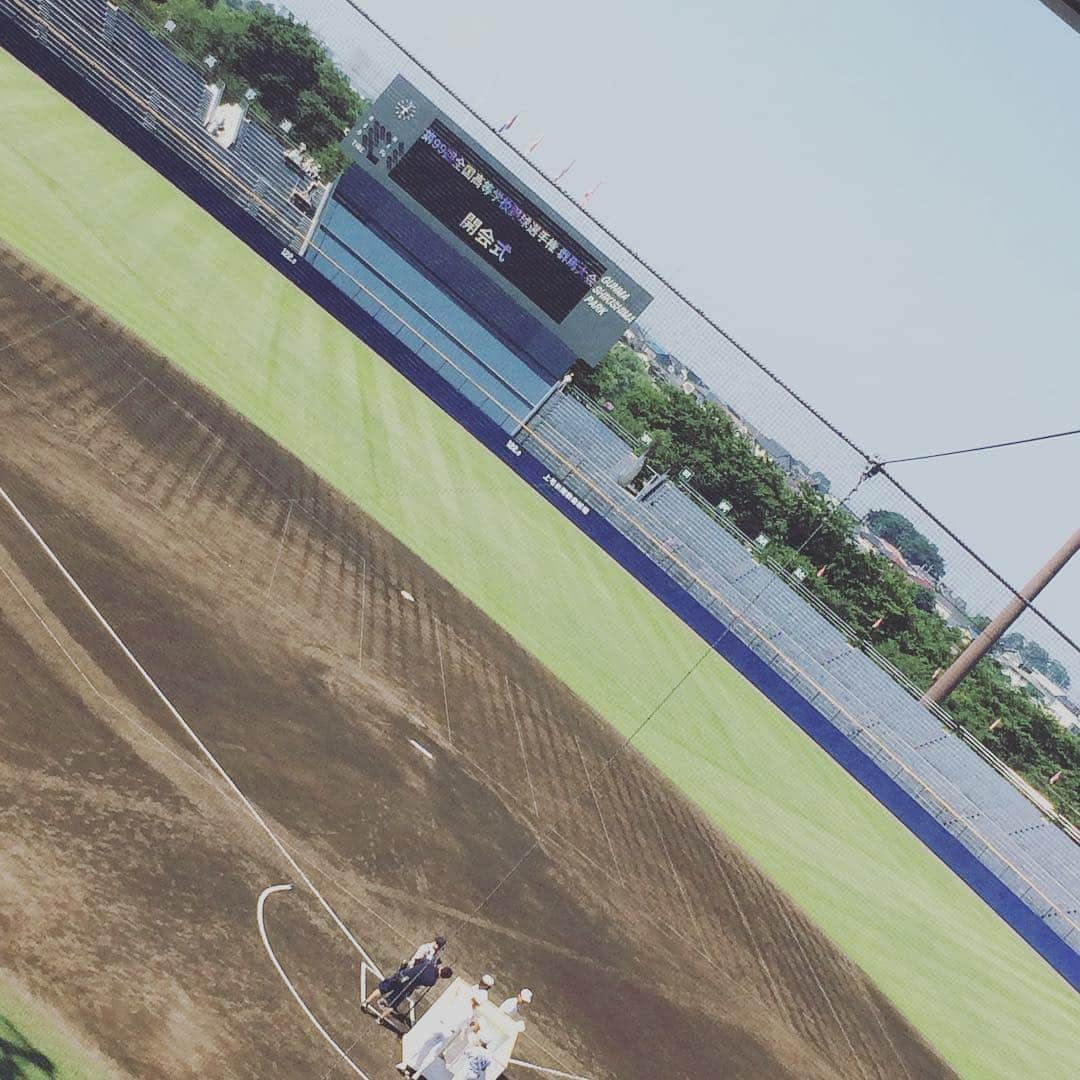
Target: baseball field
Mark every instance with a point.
(90, 213)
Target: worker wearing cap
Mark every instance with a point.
(482, 991)
(436, 1046)
(428, 951)
(475, 997)
(512, 1006)
(474, 1064)
(395, 988)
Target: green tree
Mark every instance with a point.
(924, 600)
(1035, 656)
(916, 548)
(863, 588)
(622, 372)
(281, 59)
(278, 57)
(1056, 673)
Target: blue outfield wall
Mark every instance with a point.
(488, 432)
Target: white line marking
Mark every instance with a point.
(549, 1072)
(260, 914)
(97, 421)
(442, 672)
(825, 995)
(599, 812)
(218, 444)
(521, 743)
(188, 729)
(363, 611)
(281, 549)
(675, 873)
(756, 945)
(422, 749)
(35, 333)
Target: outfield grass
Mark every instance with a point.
(34, 1046)
(80, 204)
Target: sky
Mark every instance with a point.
(877, 198)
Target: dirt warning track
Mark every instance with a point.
(406, 753)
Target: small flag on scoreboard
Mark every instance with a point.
(589, 194)
(508, 125)
(534, 144)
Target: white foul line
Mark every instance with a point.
(213, 761)
(549, 1072)
(260, 915)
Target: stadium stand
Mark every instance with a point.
(813, 651)
(116, 54)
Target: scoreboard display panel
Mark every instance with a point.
(522, 243)
(546, 266)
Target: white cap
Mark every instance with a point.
(487, 980)
(526, 996)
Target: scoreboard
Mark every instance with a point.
(495, 222)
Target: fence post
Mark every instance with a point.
(548, 395)
(653, 486)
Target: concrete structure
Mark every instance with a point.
(427, 227)
(171, 99)
(1069, 10)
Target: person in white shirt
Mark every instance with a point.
(474, 998)
(428, 951)
(482, 991)
(436, 1046)
(512, 1006)
(474, 1063)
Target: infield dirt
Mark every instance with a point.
(273, 614)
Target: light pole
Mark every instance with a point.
(948, 682)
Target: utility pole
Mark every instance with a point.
(948, 682)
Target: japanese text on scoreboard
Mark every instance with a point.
(412, 147)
